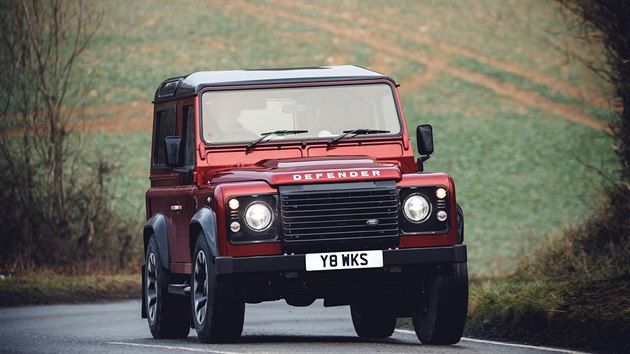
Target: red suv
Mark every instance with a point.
(297, 184)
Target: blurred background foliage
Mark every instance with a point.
(520, 119)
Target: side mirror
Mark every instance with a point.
(172, 147)
(424, 137)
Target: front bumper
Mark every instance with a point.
(293, 263)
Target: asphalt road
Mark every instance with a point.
(269, 328)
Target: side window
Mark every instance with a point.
(165, 126)
(189, 135)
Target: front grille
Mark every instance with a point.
(346, 212)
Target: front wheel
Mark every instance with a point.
(441, 316)
(218, 305)
(372, 318)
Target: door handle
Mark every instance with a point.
(176, 207)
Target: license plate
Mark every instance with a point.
(344, 260)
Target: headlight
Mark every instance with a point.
(258, 216)
(416, 208)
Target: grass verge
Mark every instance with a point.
(48, 287)
(580, 314)
(574, 292)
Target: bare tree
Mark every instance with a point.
(41, 42)
(608, 21)
(601, 245)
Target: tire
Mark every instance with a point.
(167, 314)
(441, 316)
(218, 305)
(371, 319)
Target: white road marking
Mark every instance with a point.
(198, 350)
(404, 331)
(525, 346)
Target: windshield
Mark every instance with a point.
(323, 112)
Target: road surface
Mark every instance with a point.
(269, 328)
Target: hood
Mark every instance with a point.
(312, 170)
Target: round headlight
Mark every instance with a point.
(416, 208)
(258, 216)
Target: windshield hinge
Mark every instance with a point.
(202, 150)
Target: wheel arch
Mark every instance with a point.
(204, 222)
(157, 226)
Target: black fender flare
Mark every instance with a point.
(460, 224)
(204, 222)
(157, 226)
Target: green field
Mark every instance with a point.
(524, 168)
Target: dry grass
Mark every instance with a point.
(582, 313)
(596, 249)
(573, 293)
(48, 287)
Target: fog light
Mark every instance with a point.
(235, 227)
(441, 215)
(440, 193)
(233, 204)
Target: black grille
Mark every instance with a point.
(340, 212)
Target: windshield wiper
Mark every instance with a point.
(268, 135)
(355, 132)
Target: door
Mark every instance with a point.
(172, 192)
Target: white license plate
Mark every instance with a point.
(344, 260)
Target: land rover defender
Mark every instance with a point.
(297, 184)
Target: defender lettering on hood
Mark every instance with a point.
(336, 175)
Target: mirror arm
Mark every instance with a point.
(187, 173)
(421, 161)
